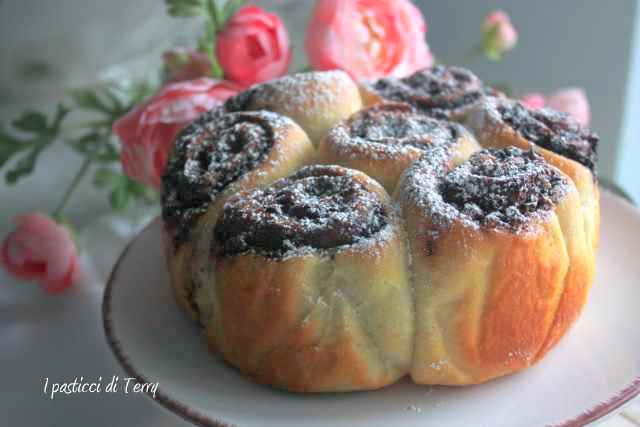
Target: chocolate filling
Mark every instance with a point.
(554, 131)
(437, 92)
(241, 101)
(503, 187)
(210, 154)
(398, 124)
(318, 207)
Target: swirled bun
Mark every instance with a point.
(312, 284)
(501, 122)
(315, 100)
(442, 92)
(213, 158)
(501, 265)
(305, 274)
(383, 140)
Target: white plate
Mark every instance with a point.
(593, 370)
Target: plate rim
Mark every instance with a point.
(195, 417)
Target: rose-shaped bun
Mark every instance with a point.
(501, 122)
(214, 157)
(311, 284)
(314, 100)
(501, 264)
(368, 39)
(384, 140)
(442, 92)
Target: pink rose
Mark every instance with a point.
(572, 101)
(185, 64)
(40, 249)
(499, 35)
(533, 100)
(368, 39)
(253, 47)
(147, 132)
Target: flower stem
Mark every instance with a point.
(57, 213)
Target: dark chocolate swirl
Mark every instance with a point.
(503, 189)
(210, 154)
(439, 92)
(319, 207)
(398, 125)
(552, 130)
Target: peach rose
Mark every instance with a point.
(368, 39)
(253, 47)
(40, 249)
(533, 100)
(148, 132)
(572, 100)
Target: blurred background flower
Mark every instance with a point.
(572, 100)
(41, 250)
(253, 47)
(368, 39)
(498, 35)
(147, 133)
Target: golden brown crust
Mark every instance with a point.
(315, 100)
(382, 141)
(291, 150)
(323, 320)
(490, 301)
(492, 132)
(370, 97)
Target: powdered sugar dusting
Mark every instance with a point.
(546, 128)
(313, 91)
(319, 207)
(440, 92)
(498, 189)
(389, 131)
(552, 130)
(211, 153)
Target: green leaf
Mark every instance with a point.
(42, 133)
(109, 154)
(186, 8)
(60, 114)
(122, 189)
(103, 178)
(207, 45)
(215, 14)
(120, 197)
(8, 147)
(99, 100)
(231, 7)
(24, 166)
(115, 101)
(97, 145)
(141, 191)
(138, 92)
(31, 121)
